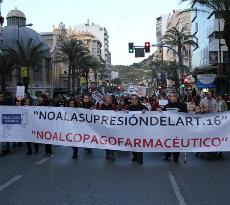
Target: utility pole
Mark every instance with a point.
(220, 67)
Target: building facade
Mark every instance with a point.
(102, 35)
(211, 55)
(180, 20)
(60, 70)
(40, 74)
(161, 28)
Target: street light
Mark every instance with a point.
(19, 68)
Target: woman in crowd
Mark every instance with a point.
(73, 104)
(122, 106)
(18, 103)
(87, 104)
(43, 101)
(221, 104)
(155, 104)
(191, 105)
(146, 103)
(28, 102)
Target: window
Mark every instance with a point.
(196, 29)
(37, 72)
(197, 42)
(195, 16)
(217, 35)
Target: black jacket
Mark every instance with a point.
(138, 107)
(107, 107)
(86, 105)
(182, 107)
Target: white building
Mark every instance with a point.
(180, 20)
(101, 34)
(161, 28)
(206, 29)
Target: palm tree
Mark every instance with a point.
(70, 51)
(7, 65)
(96, 66)
(180, 40)
(86, 62)
(219, 7)
(26, 54)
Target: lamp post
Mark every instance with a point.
(19, 67)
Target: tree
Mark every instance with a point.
(117, 81)
(180, 40)
(86, 63)
(221, 8)
(26, 54)
(71, 51)
(7, 65)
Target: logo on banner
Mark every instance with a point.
(11, 119)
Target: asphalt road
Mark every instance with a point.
(60, 180)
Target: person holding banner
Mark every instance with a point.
(73, 104)
(28, 102)
(155, 106)
(174, 103)
(5, 146)
(43, 101)
(87, 104)
(137, 106)
(210, 103)
(108, 105)
(18, 102)
(122, 106)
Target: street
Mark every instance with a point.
(92, 180)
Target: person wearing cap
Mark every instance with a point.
(174, 103)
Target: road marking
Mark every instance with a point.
(11, 181)
(42, 160)
(176, 189)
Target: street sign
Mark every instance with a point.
(23, 72)
(139, 52)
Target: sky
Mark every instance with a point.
(125, 20)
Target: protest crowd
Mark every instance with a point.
(193, 102)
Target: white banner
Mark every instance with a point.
(134, 131)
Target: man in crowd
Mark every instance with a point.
(209, 104)
(108, 105)
(137, 106)
(174, 103)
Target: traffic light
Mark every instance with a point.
(131, 47)
(147, 47)
(186, 80)
(182, 85)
